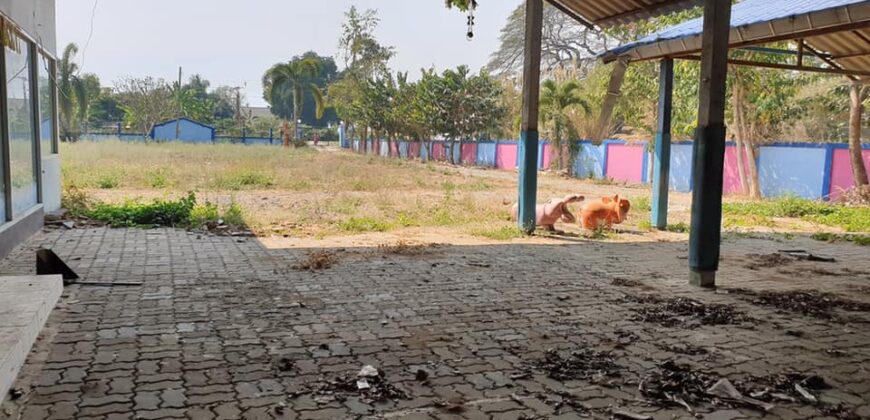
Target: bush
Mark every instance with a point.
(234, 216)
(75, 200)
(157, 213)
(203, 214)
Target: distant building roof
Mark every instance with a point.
(257, 111)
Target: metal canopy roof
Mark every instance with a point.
(837, 29)
(614, 12)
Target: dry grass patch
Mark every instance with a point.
(406, 248)
(317, 260)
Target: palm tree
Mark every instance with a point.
(293, 79)
(556, 100)
(71, 90)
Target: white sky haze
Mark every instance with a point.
(232, 42)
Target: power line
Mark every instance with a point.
(90, 34)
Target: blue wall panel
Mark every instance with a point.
(261, 141)
(385, 148)
(590, 161)
(191, 132)
(681, 167)
(403, 149)
(788, 170)
(486, 154)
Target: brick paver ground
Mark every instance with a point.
(224, 328)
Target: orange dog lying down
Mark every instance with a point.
(605, 212)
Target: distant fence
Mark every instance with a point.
(813, 171)
(217, 139)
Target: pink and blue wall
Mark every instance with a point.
(813, 171)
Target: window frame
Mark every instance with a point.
(5, 152)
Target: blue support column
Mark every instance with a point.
(662, 161)
(527, 150)
(709, 154)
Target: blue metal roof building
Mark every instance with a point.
(183, 130)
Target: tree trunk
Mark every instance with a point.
(740, 133)
(363, 142)
(460, 153)
(285, 133)
(754, 187)
(295, 121)
(859, 171)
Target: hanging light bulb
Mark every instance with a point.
(470, 34)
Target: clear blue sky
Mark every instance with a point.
(233, 42)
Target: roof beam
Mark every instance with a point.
(748, 63)
(648, 11)
(830, 62)
(759, 41)
(557, 4)
(853, 55)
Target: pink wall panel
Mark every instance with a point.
(731, 176)
(506, 156)
(547, 155)
(437, 151)
(625, 162)
(414, 150)
(469, 153)
(394, 149)
(841, 171)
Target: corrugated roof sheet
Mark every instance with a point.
(760, 21)
(613, 12)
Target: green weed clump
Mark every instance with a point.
(108, 182)
(502, 233)
(203, 214)
(640, 204)
(862, 240)
(851, 219)
(172, 213)
(159, 178)
(243, 179)
(363, 224)
(234, 215)
(75, 200)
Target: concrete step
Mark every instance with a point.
(25, 303)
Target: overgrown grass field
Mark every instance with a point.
(321, 193)
(295, 191)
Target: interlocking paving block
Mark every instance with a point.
(25, 303)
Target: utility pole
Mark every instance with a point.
(180, 110)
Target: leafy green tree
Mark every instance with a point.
(87, 90)
(366, 61)
(464, 106)
(288, 82)
(556, 100)
(69, 85)
(364, 57)
(191, 103)
(105, 110)
(145, 101)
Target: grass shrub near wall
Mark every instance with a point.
(850, 219)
